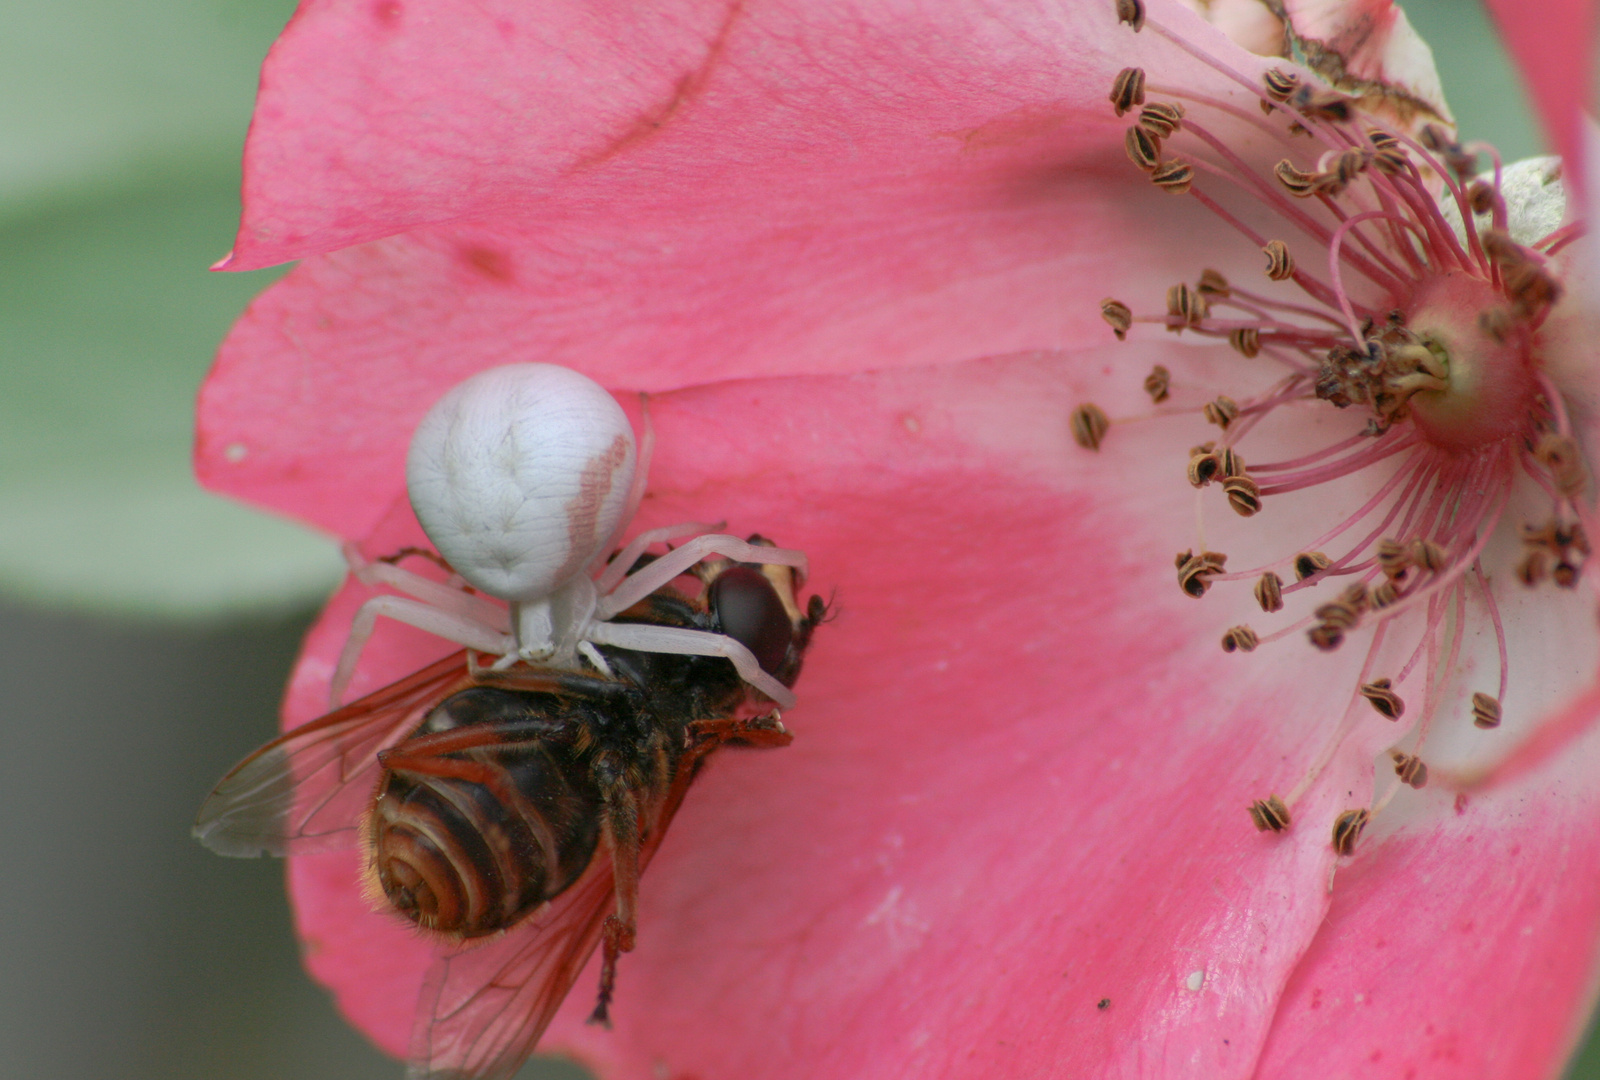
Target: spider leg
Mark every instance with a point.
(434, 593)
(643, 637)
(618, 567)
(637, 586)
(446, 624)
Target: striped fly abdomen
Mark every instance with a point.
(486, 812)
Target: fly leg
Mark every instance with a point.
(621, 928)
(760, 731)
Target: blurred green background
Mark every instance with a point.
(137, 611)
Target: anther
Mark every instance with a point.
(1572, 536)
(1243, 495)
(1240, 639)
(1196, 571)
(1351, 164)
(1501, 249)
(1428, 555)
(1356, 597)
(1325, 637)
(1533, 568)
(1089, 426)
(1269, 592)
(1530, 287)
(1232, 463)
(1410, 769)
(1382, 698)
(1157, 382)
(1144, 149)
(1222, 411)
(1485, 711)
(1127, 91)
(1347, 829)
(1385, 594)
(1205, 465)
(1246, 340)
(1186, 304)
(1338, 615)
(1174, 176)
(1132, 13)
(1280, 84)
(1161, 118)
(1213, 283)
(1394, 558)
(1299, 184)
(1389, 157)
(1270, 814)
(1565, 575)
(1280, 264)
(1559, 454)
(1118, 315)
(1441, 142)
(1481, 197)
(1308, 563)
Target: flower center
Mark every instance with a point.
(1416, 313)
(1471, 387)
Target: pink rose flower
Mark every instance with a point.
(857, 257)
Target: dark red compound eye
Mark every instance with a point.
(748, 609)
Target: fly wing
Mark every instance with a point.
(483, 1008)
(306, 790)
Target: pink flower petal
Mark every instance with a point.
(1553, 45)
(732, 120)
(1375, 43)
(976, 837)
(986, 190)
(1461, 947)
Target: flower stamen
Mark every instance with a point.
(1427, 325)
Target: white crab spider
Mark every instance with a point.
(522, 476)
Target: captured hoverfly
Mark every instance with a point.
(508, 809)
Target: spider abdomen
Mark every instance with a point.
(469, 842)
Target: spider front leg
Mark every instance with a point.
(437, 621)
(440, 609)
(643, 637)
(640, 584)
